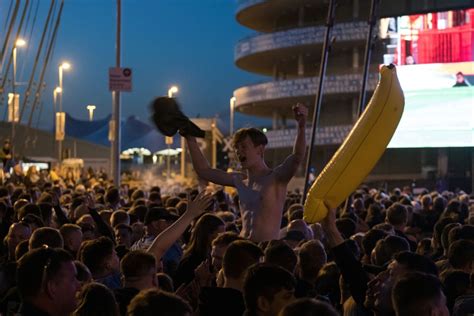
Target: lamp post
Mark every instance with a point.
(19, 43)
(63, 66)
(91, 109)
(15, 102)
(56, 91)
(169, 140)
(232, 108)
(172, 90)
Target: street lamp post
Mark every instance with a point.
(15, 100)
(63, 66)
(169, 140)
(19, 43)
(56, 91)
(91, 109)
(232, 108)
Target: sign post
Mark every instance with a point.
(169, 142)
(120, 79)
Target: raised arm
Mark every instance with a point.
(102, 227)
(60, 216)
(288, 168)
(165, 239)
(333, 235)
(351, 268)
(202, 168)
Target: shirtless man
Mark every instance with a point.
(262, 192)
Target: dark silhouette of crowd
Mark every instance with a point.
(85, 247)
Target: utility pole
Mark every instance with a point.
(116, 106)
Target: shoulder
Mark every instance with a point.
(238, 178)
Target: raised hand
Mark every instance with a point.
(330, 219)
(301, 113)
(199, 204)
(89, 201)
(333, 235)
(167, 237)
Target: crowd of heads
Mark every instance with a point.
(86, 248)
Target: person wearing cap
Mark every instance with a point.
(166, 239)
(157, 219)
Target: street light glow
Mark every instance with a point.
(58, 90)
(91, 109)
(65, 65)
(20, 42)
(172, 90)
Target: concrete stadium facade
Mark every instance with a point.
(287, 47)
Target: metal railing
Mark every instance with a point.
(335, 84)
(348, 31)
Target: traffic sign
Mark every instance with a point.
(120, 79)
(168, 140)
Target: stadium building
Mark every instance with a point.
(429, 48)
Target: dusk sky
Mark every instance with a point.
(184, 42)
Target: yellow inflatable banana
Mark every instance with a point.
(361, 149)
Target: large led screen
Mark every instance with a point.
(434, 53)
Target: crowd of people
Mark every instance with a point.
(86, 247)
(82, 249)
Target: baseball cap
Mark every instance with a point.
(159, 213)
